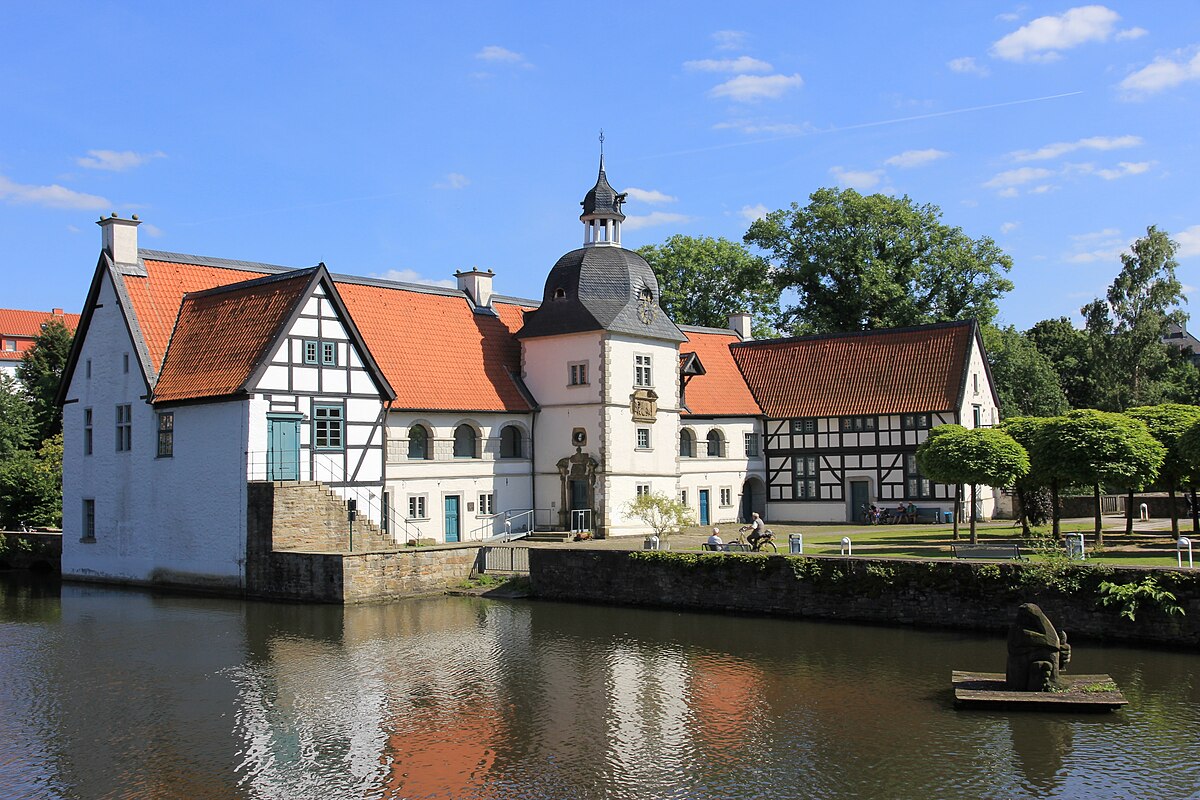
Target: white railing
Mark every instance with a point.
(581, 520)
(507, 525)
(368, 499)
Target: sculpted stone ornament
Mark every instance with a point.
(1036, 652)
(643, 404)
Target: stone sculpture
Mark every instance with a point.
(1036, 652)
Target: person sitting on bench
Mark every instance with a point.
(715, 538)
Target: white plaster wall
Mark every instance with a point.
(714, 473)
(156, 518)
(978, 392)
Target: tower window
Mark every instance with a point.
(560, 293)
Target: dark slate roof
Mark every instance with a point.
(602, 199)
(596, 288)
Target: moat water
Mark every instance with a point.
(109, 693)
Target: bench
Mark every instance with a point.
(737, 547)
(930, 515)
(714, 547)
(992, 551)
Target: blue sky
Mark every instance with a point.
(413, 140)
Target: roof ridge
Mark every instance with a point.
(706, 329)
(251, 283)
(210, 261)
(857, 334)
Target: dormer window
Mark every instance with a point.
(560, 293)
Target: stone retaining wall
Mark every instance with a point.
(31, 550)
(954, 594)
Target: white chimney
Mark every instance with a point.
(118, 238)
(741, 324)
(478, 285)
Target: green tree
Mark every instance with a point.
(974, 456)
(702, 281)
(1167, 423)
(1032, 489)
(31, 486)
(1067, 348)
(16, 418)
(663, 515)
(1025, 379)
(862, 262)
(1126, 327)
(1189, 450)
(40, 372)
(1090, 448)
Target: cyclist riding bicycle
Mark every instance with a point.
(758, 529)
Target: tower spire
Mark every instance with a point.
(602, 215)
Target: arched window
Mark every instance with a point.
(510, 442)
(715, 444)
(687, 444)
(465, 440)
(418, 442)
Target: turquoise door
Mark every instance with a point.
(452, 518)
(704, 506)
(283, 448)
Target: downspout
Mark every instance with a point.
(533, 469)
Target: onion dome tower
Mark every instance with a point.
(602, 215)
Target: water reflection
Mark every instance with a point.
(119, 693)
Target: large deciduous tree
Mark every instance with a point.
(1025, 379)
(1125, 328)
(1068, 349)
(1167, 423)
(702, 281)
(16, 418)
(31, 486)
(975, 456)
(40, 372)
(1037, 502)
(862, 262)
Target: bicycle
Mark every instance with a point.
(762, 544)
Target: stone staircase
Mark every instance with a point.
(309, 516)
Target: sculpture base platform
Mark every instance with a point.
(1082, 693)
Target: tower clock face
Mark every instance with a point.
(646, 306)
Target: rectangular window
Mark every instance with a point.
(88, 365)
(751, 445)
(89, 520)
(858, 424)
(416, 507)
(328, 427)
(10, 345)
(642, 375)
(916, 486)
(124, 428)
(643, 489)
(579, 376)
(914, 422)
(329, 354)
(975, 382)
(977, 416)
(683, 497)
(726, 496)
(166, 434)
(487, 504)
(806, 477)
(310, 351)
(804, 425)
(643, 438)
(87, 431)
(125, 363)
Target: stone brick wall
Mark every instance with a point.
(968, 595)
(32, 550)
(306, 516)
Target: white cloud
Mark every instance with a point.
(916, 158)
(729, 40)
(1011, 191)
(1103, 245)
(857, 179)
(1131, 33)
(453, 180)
(1162, 73)
(771, 128)
(1091, 143)
(1124, 169)
(1043, 38)
(1017, 177)
(117, 161)
(52, 196)
(500, 55)
(756, 212)
(1189, 242)
(1009, 227)
(1043, 189)
(752, 88)
(732, 65)
(655, 218)
(649, 196)
(969, 66)
(412, 276)
(151, 230)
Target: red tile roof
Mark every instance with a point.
(14, 322)
(222, 335)
(896, 371)
(434, 351)
(721, 391)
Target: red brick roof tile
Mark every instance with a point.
(15, 322)
(721, 391)
(896, 371)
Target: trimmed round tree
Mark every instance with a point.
(1032, 487)
(976, 456)
(1189, 451)
(1167, 423)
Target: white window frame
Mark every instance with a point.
(683, 498)
(726, 495)
(642, 489)
(643, 433)
(643, 370)
(753, 449)
(487, 504)
(418, 506)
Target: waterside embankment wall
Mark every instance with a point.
(948, 594)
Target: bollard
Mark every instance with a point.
(1144, 512)
(651, 543)
(1075, 546)
(795, 543)
(1179, 546)
(846, 546)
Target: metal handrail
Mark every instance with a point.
(513, 524)
(581, 520)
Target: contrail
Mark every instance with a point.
(858, 126)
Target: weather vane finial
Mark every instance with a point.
(602, 141)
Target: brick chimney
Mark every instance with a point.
(740, 323)
(118, 238)
(477, 285)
